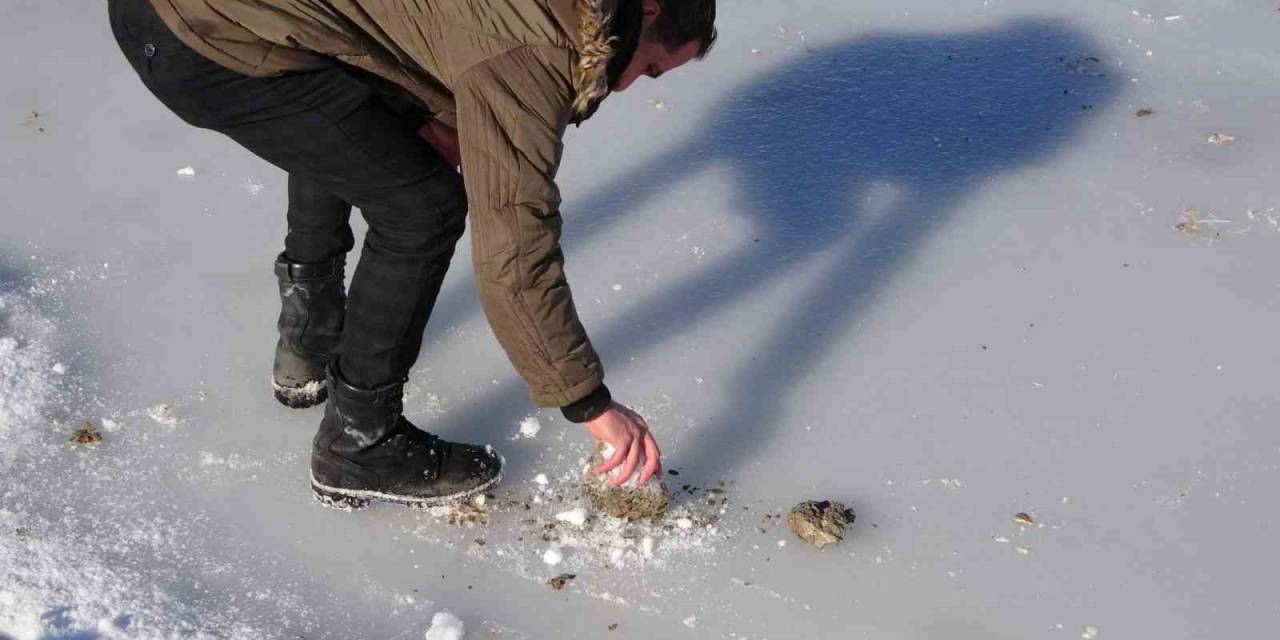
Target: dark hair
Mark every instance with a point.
(684, 21)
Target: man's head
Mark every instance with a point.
(673, 32)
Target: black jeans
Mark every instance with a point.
(341, 145)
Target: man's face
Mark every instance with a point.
(652, 58)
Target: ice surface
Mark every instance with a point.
(920, 257)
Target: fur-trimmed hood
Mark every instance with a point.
(608, 32)
(596, 48)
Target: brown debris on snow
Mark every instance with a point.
(86, 434)
(1220, 138)
(626, 501)
(557, 583)
(820, 523)
(1188, 223)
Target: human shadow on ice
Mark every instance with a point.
(846, 159)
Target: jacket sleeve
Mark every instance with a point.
(512, 111)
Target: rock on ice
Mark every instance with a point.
(445, 626)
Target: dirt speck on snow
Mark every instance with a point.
(820, 523)
(557, 583)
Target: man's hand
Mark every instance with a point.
(445, 140)
(629, 435)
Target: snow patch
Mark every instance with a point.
(552, 556)
(163, 414)
(26, 368)
(576, 517)
(530, 426)
(445, 626)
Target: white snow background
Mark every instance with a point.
(919, 256)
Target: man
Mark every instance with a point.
(306, 85)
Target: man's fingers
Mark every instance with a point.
(633, 459)
(652, 458)
(619, 454)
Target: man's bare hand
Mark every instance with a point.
(445, 141)
(629, 435)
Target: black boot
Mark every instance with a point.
(366, 450)
(312, 307)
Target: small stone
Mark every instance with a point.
(629, 500)
(820, 523)
(557, 583)
(86, 434)
(613, 627)
(1023, 519)
(1146, 111)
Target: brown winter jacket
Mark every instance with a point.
(509, 75)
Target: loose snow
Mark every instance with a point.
(26, 360)
(445, 626)
(576, 517)
(530, 426)
(552, 556)
(163, 414)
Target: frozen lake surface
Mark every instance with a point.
(924, 257)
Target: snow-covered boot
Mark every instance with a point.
(312, 307)
(366, 450)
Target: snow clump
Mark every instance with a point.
(445, 626)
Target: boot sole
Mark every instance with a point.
(303, 397)
(353, 499)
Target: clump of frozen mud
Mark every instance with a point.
(820, 523)
(629, 500)
(86, 434)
